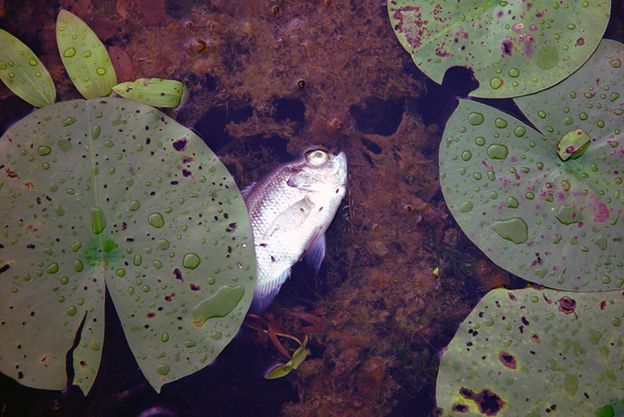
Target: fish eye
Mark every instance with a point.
(317, 157)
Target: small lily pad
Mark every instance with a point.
(24, 73)
(281, 370)
(155, 92)
(109, 194)
(513, 47)
(531, 353)
(546, 205)
(84, 56)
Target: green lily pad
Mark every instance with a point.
(530, 353)
(23, 72)
(556, 222)
(155, 92)
(111, 194)
(514, 48)
(84, 56)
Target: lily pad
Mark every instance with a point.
(23, 72)
(530, 353)
(84, 56)
(513, 47)
(155, 92)
(109, 194)
(553, 221)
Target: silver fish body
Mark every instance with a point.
(290, 210)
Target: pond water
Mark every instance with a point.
(266, 80)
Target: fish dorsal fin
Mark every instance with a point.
(316, 253)
(245, 190)
(264, 294)
(292, 217)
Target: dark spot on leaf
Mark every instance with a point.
(177, 273)
(194, 287)
(4, 268)
(231, 227)
(151, 315)
(506, 47)
(186, 172)
(180, 144)
(603, 304)
(10, 173)
(567, 305)
(489, 403)
(508, 360)
(460, 408)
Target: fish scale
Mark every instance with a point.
(290, 209)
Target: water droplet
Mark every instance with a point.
(514, 229)
(157, 264)
(64, 280)
(78, 266)
(98, 220)
(59, 210)
(475, 118)
(100, 71)
(220, 304)
(137, 260)
(134, 205)
(513, 72)
(156, 220)
(163, 369)
(191, 260)
(541, 114)
(52, 268)
(583, 116)
(477, 176)
(568, 121)
(500, 123)
(76, 246)
(529, 196)
(465, 207)
(616, 63)
(496, 83)
(466, 155)
(189, 343)
(69, 121)
(600, 123)
(497, 151)
(120, 272)
(44, 150)
(567, 215)
(571, 26)
(512, 203)
(95, 132)
(216, 335)
(32, 62)
(520, 131)
(69, 52)
(480, 141)
(146, 288)
(565, 184)
(11, 75)
(491, 175)
(71, 311)
(163, 244)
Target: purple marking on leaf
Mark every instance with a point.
(410, 17)
(180, 144)
(506, 47)
(567, 305)
(194, 287)
(599, 209)
(178, 274)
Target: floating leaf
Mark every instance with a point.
(555, 222)
(84, 56)
(24, 73)
(113, 194)
(530, 353)
(297, 359)
(513, 47)
(155, 92)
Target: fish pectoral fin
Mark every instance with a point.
(265, 293)
(292, 217)
(245, 190)
(316, 253)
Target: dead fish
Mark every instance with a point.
(290, 210)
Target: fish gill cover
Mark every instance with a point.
(546, 204)
(513, 47)
(535, 352)
(109, 194)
